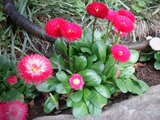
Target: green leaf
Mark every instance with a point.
(86, 94)
(69, 102)
(99, 48)
(121, 85)
(2, 87)
(62, 76)
(97, 99)
(76, 96)
(134, 56)
(94, 110)
(132, 87)
(11, 94)
(127, 72)
(112, 88)
(80, 109)
(86, 50)
(57, 61)
(142, 84)
(48, 86)
(146, 56)
(80, 63)
(103, 90)
(91, 59)
(90, 77)
(157, 65)
(63, 88)
(61, 46)
(157, 56)
(61, 61)
(5, 63)
(98, 66)
(50, 104)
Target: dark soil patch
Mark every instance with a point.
(145, 72)
(148, 74)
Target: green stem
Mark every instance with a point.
(94, 25)
(117, 38)
(108, 26)
(69, 54)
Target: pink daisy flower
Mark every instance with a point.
(76, 81)
(3, 115)
(111, 15)
(16, 110)
(97, 9)
(123, 24)
(11, 79)
(71, 31)
(127, 13)
(53, 27)
(120, 53)
(122, 34)
(34, 68)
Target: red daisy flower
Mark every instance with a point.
(16, 110)
(34, 68)
(111, 15)
(3, 115)
(123, 24)
(97, 9)
(127, 13)
(71, 31)
(120, 53)
(53, 27)
(76, 81)
(11, 79)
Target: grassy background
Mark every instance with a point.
(16, 43)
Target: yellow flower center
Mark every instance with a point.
(35, 68)
(76, 81)
(120, 53)
(69, 31)
(97, 9)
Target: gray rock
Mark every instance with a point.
(145, 107)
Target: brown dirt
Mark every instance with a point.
(144, 71)
(148, 74)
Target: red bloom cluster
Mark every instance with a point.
(11, 79)
(59, 27)
(123, 24)
(34, 68)
(120, 53)
(71, 31)
(111, 15)
(123, 20)
(53, 27)
(97, 9)
(127, 13)
(76, 81)
(14, 110)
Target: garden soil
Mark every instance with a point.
(144, 71)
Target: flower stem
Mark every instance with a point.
(94, 25)
(117, 38)
(69, 54)
(108, 26)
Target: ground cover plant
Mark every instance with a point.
(85, 68)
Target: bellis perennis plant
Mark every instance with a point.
(89, 69)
